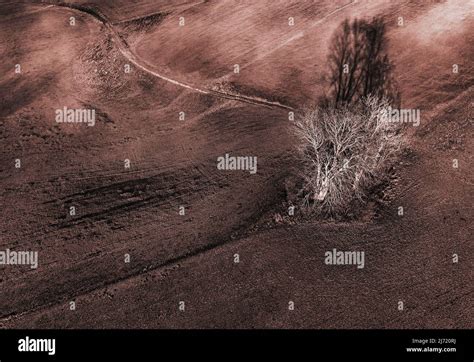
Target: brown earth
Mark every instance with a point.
(173, 163)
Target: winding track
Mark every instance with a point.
(135, 60)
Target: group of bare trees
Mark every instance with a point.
(346, 146)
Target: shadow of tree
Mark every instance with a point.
(359, 64)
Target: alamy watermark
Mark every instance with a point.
(28, 344)
(245, 163)
(68, 115)
(401, 115)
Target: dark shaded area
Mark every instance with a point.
(359, 64)
(145, 23)
(18, 93)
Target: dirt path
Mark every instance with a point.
(141, 64)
